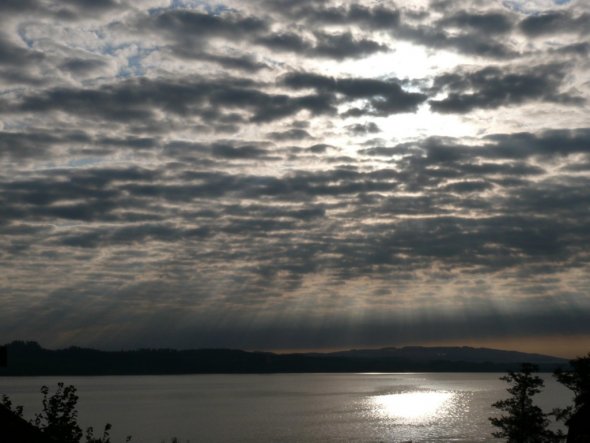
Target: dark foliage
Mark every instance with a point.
(58, 421)
(59, 417)
(577, 417)
(7, 403)
(15, 429)
(524, 422)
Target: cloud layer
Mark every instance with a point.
(293, 174)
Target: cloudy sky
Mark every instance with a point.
(290, 175)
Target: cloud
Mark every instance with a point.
(12, 54)
(383, 97)
(492, 87)
(228, 151)
(245, 63)
(373, 18)
(139, 99)
(468, 43)
(580, 49)
(341, 46)
(218, 166)
(193, 27)
(489, 23)
(12, 6)
(555, 22)
(291, 134)
(70, 10)
(81, 66)
(191, 31)
(363, 129)
(336, 46)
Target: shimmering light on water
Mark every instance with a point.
(287, 408)
(415, 406)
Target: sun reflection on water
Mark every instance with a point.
(417, 406)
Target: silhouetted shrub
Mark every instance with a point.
(59, 417)
(7, 403)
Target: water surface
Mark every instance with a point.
(422, 407)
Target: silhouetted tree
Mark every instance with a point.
(524, 422)
(577, 417)
(59, 418)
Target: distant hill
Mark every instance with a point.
(29, 358)
(454, 354)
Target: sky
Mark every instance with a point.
(295, 175)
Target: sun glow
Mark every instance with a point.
(414, 406)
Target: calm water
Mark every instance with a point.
(287, 407)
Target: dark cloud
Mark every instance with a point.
(492, 87)
(489, 23)
(286, 41)
(555, 22)
(467, 31)
(245, 63)
(336, 46)
(291, 134)
(138, 100)
(476, 36)
(372, 18)
(92, 5)
(191, 30)
(580, 49)
(375, 18)
(320, 148)
(70, 10)
(363, 128)
(129, 141)
(133, 234)
(8, 6)
(193, 27)
(43, 143)
(468, 186)
(341, 46)
(236, 152)
(81, 66)
(383, 97)
(16, 55)
(190, 33)
(207, 153)
(471, 41)
(582, 166)
(15, 145)
(557, 142)
(516, 147)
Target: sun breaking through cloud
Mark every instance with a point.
(294, 175)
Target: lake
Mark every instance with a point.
(422, 407)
